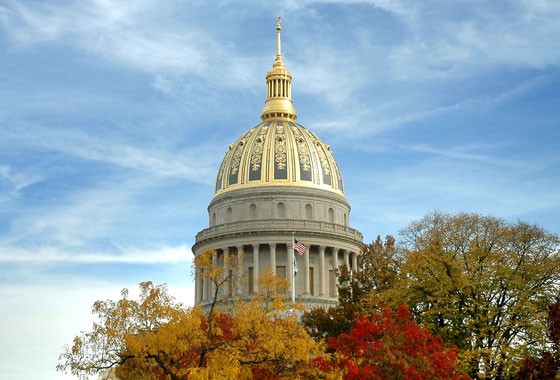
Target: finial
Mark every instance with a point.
(278, 29)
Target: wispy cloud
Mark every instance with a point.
(470, 38)
(187, 163)
(469, 153)
(80, 218)
(126, 255)
(389, 115)
(435, 42)
(113, 30)
(13, 181)
(130, 35)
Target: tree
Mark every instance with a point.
(358, 295)
(546, 364)
(379, 266)
(156, 338)
(480, 283)
(389, 346)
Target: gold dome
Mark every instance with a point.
(278, 151)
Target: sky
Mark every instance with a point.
(115, 115)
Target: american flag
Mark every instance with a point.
(299, 247)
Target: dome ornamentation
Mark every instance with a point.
(279, 153)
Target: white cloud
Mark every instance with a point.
(117, 31)
(467, 38)
(360, 120)
(393, 6)
(126, 255)
(133, 35)
(13, 181)
(156, 160)
(82, 217)
(469, 153)
(441, 41)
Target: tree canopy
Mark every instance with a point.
(388, 345)
(480, 295)
(156, 338)
(545, 364)
(478, 282)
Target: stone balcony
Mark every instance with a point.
(279, 227)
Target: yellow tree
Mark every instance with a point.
(155, 337)
(265, 340)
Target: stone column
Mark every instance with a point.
(306, 269)
(197, 297)
(273, 258)
(204, 286)
(212, 287)
(239, 271)
(355, 262)
(256, 271)
(322, 275)
(225, 285)
(346, 258)
(335, 266)
(202, 291)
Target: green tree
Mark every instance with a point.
(480, 283)
(358, 291)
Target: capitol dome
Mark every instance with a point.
(276, 183)
(279, 153)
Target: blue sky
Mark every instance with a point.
(114, 117)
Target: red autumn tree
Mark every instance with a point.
(389, 346)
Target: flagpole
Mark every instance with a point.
(293, 269)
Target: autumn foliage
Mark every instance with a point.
(479, 286)
(389, 346)
(546, 364)
(156, 338)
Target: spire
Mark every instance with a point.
(278, 40)
(278, 103)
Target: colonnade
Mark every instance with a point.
(241, 272)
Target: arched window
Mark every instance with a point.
(331, 215)
(308, 212)
(252, 211)
(281, 210)
(213, 219)
(229, 215)
(345, 219)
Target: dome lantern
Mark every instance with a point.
(278, 103)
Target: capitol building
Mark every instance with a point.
(277, 183)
